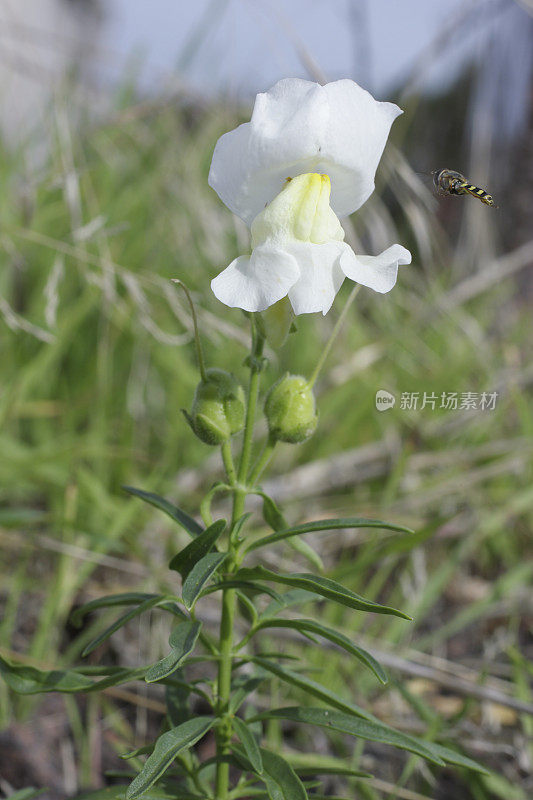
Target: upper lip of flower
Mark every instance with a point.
(302, 127)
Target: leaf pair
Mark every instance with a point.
(196, 563)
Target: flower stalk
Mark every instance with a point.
(197, 340)
(240, 484)
(333, 335)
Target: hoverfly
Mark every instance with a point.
(448, 181)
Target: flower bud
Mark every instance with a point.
(290, 410)
(218, 408)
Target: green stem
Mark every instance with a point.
(224, 691)
(229, 466)
(262, 461)
(199, 353)
(258, 342)
(224, 730)
(205, 505)
(334, 333)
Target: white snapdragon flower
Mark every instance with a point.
(309, 153)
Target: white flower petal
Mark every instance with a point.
(357, 132)
(320, 276)
(298, 127)
(256, 282)
(377, 272)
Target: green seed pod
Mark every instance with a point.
(290, 410)
(218, 408)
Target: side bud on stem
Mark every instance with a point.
(290, 410)
(218, 409)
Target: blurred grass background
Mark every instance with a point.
(97, 362)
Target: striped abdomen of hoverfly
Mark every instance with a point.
(475, 191)
(448, 181)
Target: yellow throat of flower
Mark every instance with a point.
(301, 211)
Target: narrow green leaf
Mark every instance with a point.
(273, 517)
(293, 597)
(257, 588)
(117, 792)
(272, 514)
(109, 601)
(140, 751)
(123, 675)
(280, 779)
(165, 790)
(246, 607)
(30, 680)
(185, 560)
(199, 575)
(325, 525)
(311, 687)
(241, 688)
(167, 747)
(304, 549)
(363, 728)
(309, 764)
(452, 757)
(182, 641)
(173, 607)
(109, 631)
(98, 669)
(177, 701)
(324, 587)
(237, 528)
(310, 626)
(175, 513)
(251, 747)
